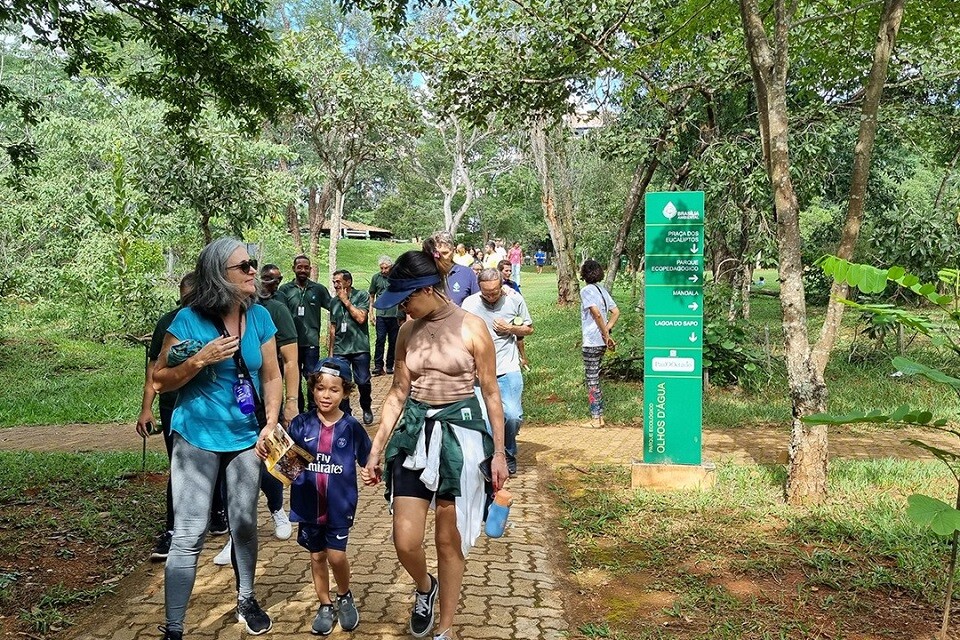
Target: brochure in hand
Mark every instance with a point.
(285, 460)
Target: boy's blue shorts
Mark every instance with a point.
(319, 537)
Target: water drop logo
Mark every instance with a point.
(670, 211)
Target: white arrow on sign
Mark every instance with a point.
(694, 306)
(693, 249)
(693, 278)
(693, 337)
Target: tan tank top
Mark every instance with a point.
(441, 369)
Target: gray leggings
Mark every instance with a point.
(193, 473)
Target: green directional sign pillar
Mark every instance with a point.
(673, 328)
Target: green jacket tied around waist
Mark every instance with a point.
(465, 413)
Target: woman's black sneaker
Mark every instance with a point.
(162, 549)
(256, 619)
(218, 523)
(170, 635)
(421, 618)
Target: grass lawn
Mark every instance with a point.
(71, 526)
(54, 379)
(734, 562)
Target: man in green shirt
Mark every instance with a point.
(349, 337)
(305, 299)
(386, 321)
(286, 337)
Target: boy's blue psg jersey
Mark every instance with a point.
(326, 493)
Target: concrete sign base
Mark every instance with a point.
(673, 476)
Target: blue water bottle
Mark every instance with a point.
(497, 516)
(243, 391)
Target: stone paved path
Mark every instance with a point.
(511, 586)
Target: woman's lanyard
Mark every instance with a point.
(242, 371)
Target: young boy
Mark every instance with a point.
(323, 499)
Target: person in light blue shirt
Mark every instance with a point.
(214, 422)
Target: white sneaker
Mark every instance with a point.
(282, 528)
(222, 559)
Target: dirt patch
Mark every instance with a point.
(51, 564)
(757, 582)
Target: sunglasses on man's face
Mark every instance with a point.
(269, 280)
(245, 266)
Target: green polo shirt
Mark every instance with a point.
(168, 400)
(349, 335)
(305, 306)
(379, 284)
(283, 319)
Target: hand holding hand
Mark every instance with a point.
(611, 344)
(372, 473)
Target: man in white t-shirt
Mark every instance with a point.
(507, 319)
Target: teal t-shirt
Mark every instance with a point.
(207, 414)
(349, 335)
(379, 284)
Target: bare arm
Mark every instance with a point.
(359, 315)
(390, 411)
(506, 328)
(331, 338)
(291, 381)
(146, 404)
(480, 345)
(167, 378)
(614, 316)
(272, 391)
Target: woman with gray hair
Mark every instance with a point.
(218, 352)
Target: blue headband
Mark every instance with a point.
(400, 285)
(399, 288)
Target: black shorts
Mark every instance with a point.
(407, 483)
(319, 537)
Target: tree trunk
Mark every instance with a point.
(807, 473)
(938, 201)
(886, 39)
(205, 227)
(338, 199)
(293, 211)
(557, 200)
(293, 226)
(745, 283)
(642, 176)
(317, 214)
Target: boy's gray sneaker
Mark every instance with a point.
(347, 613)
(323, 623)
(421, 618)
